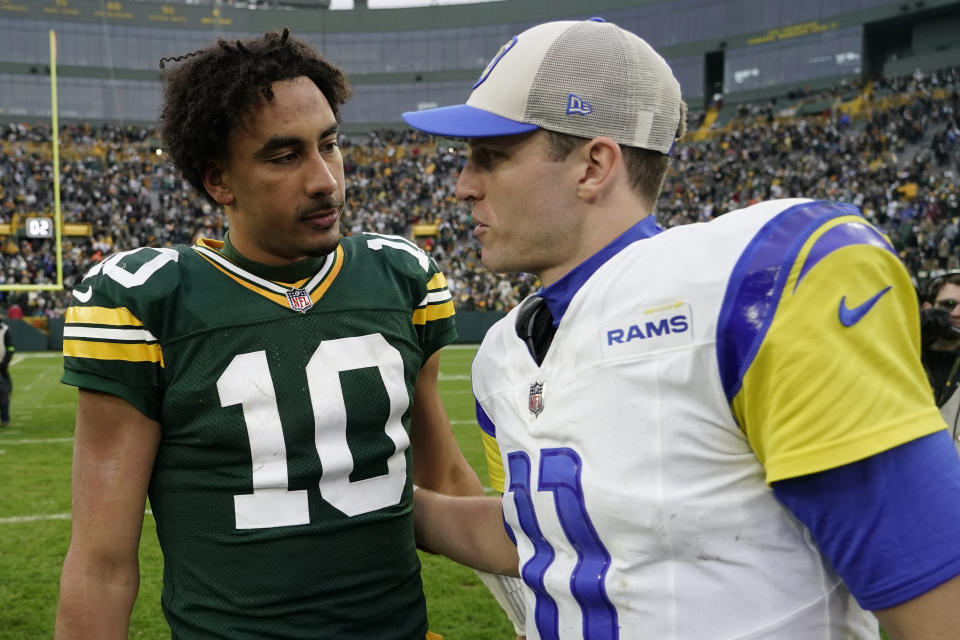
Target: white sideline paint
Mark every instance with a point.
(47, 516)
(444, 377)
(37, 441)
(37, 518)
(19, 356)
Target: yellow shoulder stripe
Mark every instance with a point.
(119, 316)
(433, 312)
(801, 258)
(135, 352)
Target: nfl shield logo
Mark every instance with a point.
(299, 300)
(536, 399)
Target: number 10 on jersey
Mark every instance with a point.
(247, 382)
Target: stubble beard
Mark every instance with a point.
(322, 251)
(326, 246)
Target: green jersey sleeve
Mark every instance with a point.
(110, 341)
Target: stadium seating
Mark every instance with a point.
(892, 148)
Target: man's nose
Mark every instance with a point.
(468, 187)
(321, 177)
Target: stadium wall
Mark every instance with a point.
(29, 338)
(404, 59)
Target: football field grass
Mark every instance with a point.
(35, 457)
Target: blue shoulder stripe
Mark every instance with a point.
(842, 236)
(484, 421)
(757, 282)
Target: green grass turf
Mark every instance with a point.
(35, 454)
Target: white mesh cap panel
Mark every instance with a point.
(628, 93)
(658, 93)
(505, 90)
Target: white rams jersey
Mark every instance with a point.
(690, 370)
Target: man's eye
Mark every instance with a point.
(286, 158)
(483, 157)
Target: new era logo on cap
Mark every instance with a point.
(586, 79)
(576, 105)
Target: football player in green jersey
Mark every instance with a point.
(259, 389)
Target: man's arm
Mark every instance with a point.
(438, 463)
(935, 615)
(114, 449)
(468, 530)
(889, 525)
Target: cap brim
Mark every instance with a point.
(464, 121)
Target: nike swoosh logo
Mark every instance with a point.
(83, 297)
(850, 317)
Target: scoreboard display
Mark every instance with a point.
(39, 227)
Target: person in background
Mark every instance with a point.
(6, 382)
(940, 342)
(717, 430)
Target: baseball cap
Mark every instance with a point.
(584, 78)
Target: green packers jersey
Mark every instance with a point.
(281, 488)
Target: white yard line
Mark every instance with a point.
(23, 390)
(46, 516)
(36, 518)
(20, 356)
(36, 441)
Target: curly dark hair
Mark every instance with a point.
(210, 90)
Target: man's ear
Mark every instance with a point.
(216, 184)
(603, 161)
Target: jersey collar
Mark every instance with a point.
(559, 294)
(283, 273)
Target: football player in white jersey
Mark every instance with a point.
(722, 430)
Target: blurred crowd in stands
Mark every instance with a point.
(892, 148)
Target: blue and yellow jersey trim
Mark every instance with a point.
(488, 434)
(104, 333)
(818, 343)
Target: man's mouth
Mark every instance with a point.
(322, 217)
